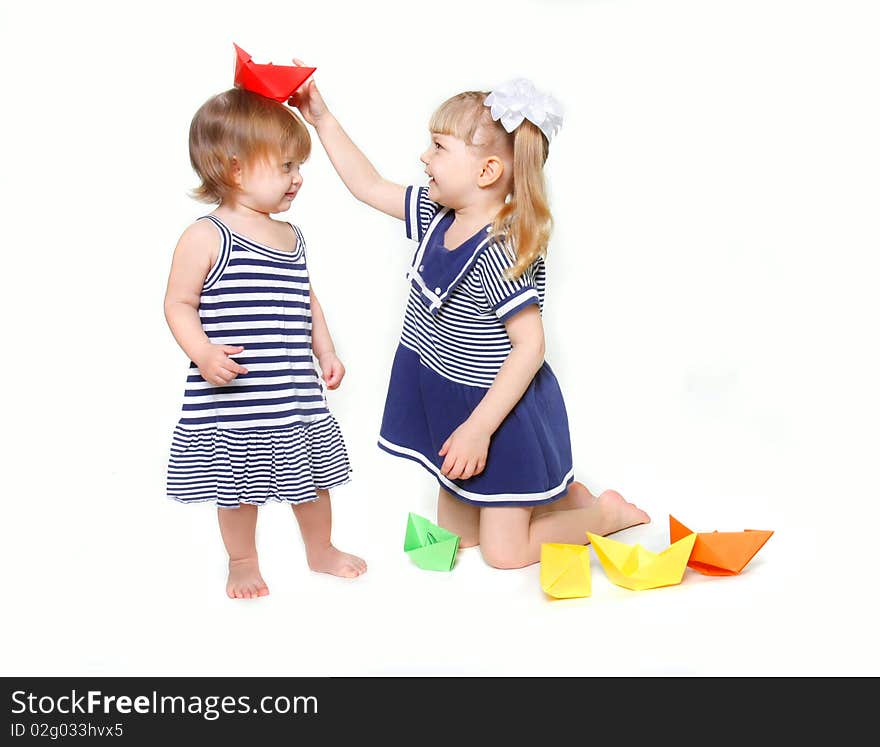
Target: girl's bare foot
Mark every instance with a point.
(609, 512)
(615, 513)
(330, 560)
(245, 581)
(579, 496)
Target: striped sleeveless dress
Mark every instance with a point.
(268, 434)
(451, 348)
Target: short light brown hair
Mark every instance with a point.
(244, 127)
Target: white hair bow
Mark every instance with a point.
(518, 99)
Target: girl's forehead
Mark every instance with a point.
(480, 138)
(445, 136)
(282, 157)
(272, 160)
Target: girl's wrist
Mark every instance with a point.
(324, 120)
(200, 349)
(481, 424)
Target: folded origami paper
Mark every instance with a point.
(565, 570)
(431, 548)
(277, 82)
(634, 567)
(720, 553)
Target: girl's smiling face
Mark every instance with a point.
(269, 185)
(453, 170)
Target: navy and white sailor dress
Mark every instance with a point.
(453, 343)
(268, 434)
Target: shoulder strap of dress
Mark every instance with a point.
(300, 239)
(223, 256)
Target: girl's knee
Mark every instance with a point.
(504, 556)
(504, 536)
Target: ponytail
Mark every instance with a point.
(525, 218)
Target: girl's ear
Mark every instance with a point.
(492, 171)
(236, 171)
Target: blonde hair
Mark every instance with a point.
(244, 127)
(525, 220)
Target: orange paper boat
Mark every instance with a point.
(277, 82)
(720, 553)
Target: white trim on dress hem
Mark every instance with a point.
(476, 497)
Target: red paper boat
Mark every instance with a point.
(277, 82)
(720, 553)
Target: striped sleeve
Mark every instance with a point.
(419, 212)
(506, 297)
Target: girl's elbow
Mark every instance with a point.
(538, 360)
(172, 307)
(537, 350)
(369, 190)
(360, 188)
(533, 352)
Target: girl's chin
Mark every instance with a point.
(435, 196)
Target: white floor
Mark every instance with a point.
(147, 598)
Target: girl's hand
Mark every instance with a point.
(332, 370)
(308, 100)
(465, 450)
(215, 365)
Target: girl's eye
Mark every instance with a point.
(437, 145)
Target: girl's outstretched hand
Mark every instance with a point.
(308, 99)
(465, 451)
(332, 370)
(215, 365)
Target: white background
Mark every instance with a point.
(709, 315)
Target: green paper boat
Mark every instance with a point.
(431, 548)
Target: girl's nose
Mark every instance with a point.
(425, 156)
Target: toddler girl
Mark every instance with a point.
(255, 424)
(470, 397)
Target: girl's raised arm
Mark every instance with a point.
(353, 167)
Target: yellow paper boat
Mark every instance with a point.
(634, 567)
(565, 570)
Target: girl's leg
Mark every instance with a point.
(578, 496)
(459, 518)
(238, 527)
(315, 520)
(511, 537)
